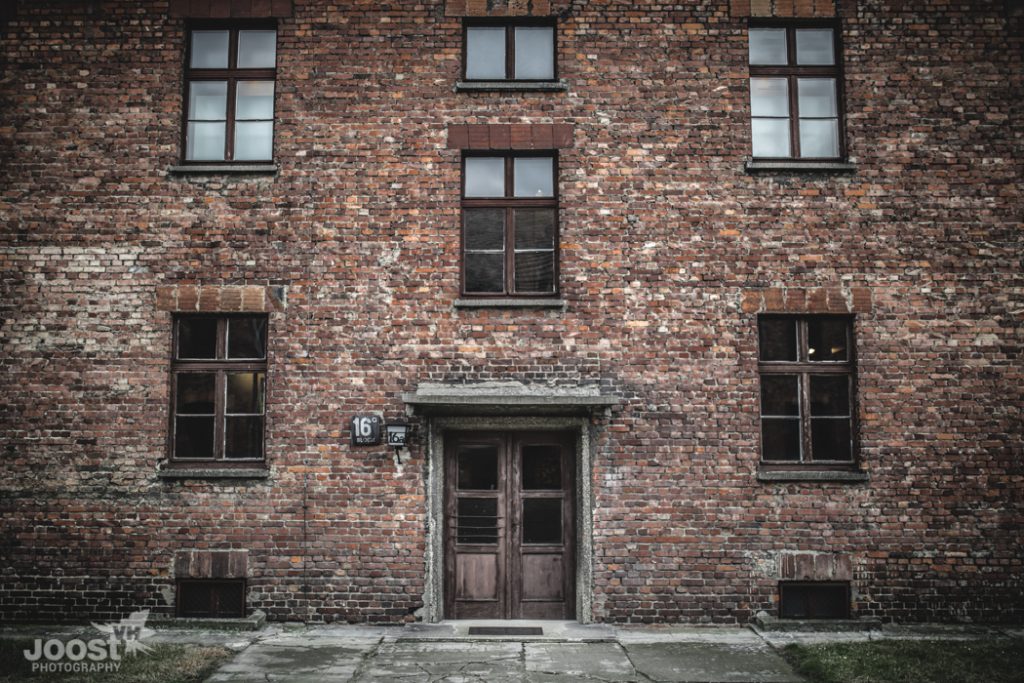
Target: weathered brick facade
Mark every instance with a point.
(670, 249)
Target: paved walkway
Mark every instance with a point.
(566, 652)
(445, 653)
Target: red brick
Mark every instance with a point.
(458, 136)
(262, 9)
(562, 135)
(500, 137)
(521, 136)
(670, 251)
(479, 136)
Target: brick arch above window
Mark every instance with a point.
(515, 136)
(837, 300)
(505, 8)
(231, 9)
(220, 298)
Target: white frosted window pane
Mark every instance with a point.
(485, 177)
(770, 137)
(535, 53)
(817, 96)
(257, 49)
(209, 49)
(814, 46)
(769, 97)
(532, 177)
(819, 138)
(207, 100)
(254, 140)
(205, 141)
(768, 46)
(485, 53)
(254, 100)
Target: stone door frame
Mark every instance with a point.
(433, 594)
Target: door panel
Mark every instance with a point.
(509, 525)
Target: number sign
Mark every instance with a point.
(366, 430)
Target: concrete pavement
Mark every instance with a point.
(566, 652)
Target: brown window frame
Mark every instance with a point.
(510, 47)
(232, 75)
(510, 203)
(805, 369)
(792, 71)
(220, 367)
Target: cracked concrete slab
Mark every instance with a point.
(293, 661)
(590, 661)
(445, 661)
(692, 662)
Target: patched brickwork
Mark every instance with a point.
(505, 8)
(788, 9)
(669, 252)
(220, 298)
(211, 564)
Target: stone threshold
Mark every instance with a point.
(253, 622)
(765, 622)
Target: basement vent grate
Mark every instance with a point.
(506, 631)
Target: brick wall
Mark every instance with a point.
(669, 251)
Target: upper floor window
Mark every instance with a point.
(807, 386)
(229, 94)
(795, 92)
(509, 224)
(218, 388)
(517, 51)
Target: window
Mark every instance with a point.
(509, 225)
(229, 94)
(807, 389)
(795, 92)
(219, 375)
(509, 52)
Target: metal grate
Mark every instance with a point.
(814, 600)
(506, 631)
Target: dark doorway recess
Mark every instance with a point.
(814, 600)
(506, 631)
(509, 531)
(211, 598)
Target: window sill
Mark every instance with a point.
(222, 169)
(510, 302)
(511, 86)
(213, 473)
(812, 475)
(797, 166)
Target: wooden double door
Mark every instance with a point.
(510, 529)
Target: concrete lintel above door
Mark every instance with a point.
(507, 398)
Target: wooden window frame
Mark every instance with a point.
(792, 72)
(232, 75)
(804, 369)
(220, 367)
(510, 25)
(510, 203)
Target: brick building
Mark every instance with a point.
(694, 310)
